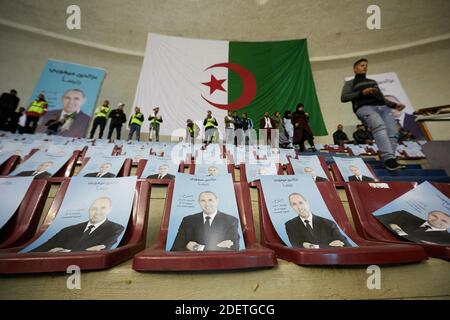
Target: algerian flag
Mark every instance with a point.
(187, 77)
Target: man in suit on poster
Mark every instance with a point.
(208, 230)
(163, 173)
(313, 174)
(357, 175)
(103, 172)
(434, 230)
(309, 230)
(40, 172)
(96, 234)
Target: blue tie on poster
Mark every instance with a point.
(71, 91)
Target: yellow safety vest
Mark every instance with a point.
(37, 106)
(155, 120)
(104, 112)
(135, 120)
(210, 123)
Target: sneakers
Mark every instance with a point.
(393, 165)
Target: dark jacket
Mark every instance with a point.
(118, 117)
(324, 232)
(42, 175)
(74, 238)
(301, 127)
(410, 224)
(364, 178)
(224, 227)
(106, 175)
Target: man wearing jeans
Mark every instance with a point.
(375, 112)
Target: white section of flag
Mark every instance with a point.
(171, 78)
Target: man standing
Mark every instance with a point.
(229, 127)
(155, 122)
(135, 124)
(266, 124)
(192, 131)
(375, 112)
(118, 118)
(8, 105)
(35, 111)
(100, 119)
(210, 124)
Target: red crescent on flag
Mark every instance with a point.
(248, 87)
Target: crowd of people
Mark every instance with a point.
(370, 106)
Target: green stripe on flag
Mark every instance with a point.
(283, 79)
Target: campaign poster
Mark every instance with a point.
(254, 169)
(100, 150)
(93, 217)
(204, 215)
(71, 91)
(135, 152)
(41, 165)
(102, 167)
(353, 169)
(300, 215)
(160, 168)
(12, 192)
(211, 169)
(309, 165)
(420, 215)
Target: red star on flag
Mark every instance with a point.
(214, 84)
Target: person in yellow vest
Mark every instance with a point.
(192, 131)
(135, 124)
(100, 119)
(210, 124)
(35, 111)
(155, 121)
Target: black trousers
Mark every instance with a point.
(99, 121)
(31, 124)
(306, 137)
(117, 127)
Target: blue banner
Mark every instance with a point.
(72, 90)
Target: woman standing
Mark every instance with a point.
(302, 131)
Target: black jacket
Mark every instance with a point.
(324, 232)
(224, 227)
(74, 238)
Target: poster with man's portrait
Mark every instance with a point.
(135, 152)
(300, 215)
(421, 215)
(354, 169)
(211, 169)
(41, 165)
(257, 168)
(12, 191)
(93, 217)
(309, 165)
(15, 148)
(71, 91)
(213, 153)
(102, 167)
(100, 150)
(204, 215)
(160, 168)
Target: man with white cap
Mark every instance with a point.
(155, 121)
(118, 118)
